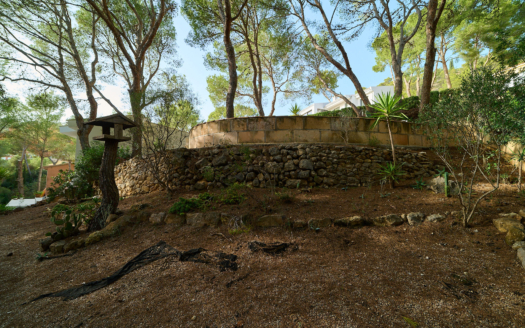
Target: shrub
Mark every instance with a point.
(184, 205)
(5, 195)
(479, 118)
(232, 195)
(4, 208)
(68, 223)
(285, 196)
(208, 173)
(391, 173)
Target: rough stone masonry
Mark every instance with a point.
(291, 166)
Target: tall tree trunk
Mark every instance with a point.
(407, 87)
(40, 173)
(135, 96)
(442, 53)
(21, 173)
(418, 89)
(226, 17)
(108, 187)
(433, 16)
(398, 79)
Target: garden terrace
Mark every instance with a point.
(304, 129)
(285, 165)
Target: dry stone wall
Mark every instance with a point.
(287, 165)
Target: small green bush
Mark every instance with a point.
(184, 205)
(67, 222)
(208, 173)
(232, 194)
(284, 196)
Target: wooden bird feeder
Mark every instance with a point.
(107, 185)
(118, 122)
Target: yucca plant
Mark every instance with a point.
(295, 109)
(391, 172)
(387, 108)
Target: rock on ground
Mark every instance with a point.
(415, 218)
(388, 220)
(435, 218)
(513, 235)
(504, 224)
(350, 222)
(438, 186)
(157, 218)
(200, 220)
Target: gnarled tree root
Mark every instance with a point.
(154, 253)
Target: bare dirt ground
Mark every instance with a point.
(432, 275)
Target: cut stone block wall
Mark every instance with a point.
(303, 129)
(284, 165)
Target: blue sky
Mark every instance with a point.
(362, 58)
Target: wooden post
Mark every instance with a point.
(108, 187)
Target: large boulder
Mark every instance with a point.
(504, 224)
(388, 220)
(415, 218)
(514, 235)
(438, 186)
(200, 220)
(350, 222)
(319, 223)
(268, 221)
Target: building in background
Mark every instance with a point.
(372, 94)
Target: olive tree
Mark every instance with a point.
(479, 118)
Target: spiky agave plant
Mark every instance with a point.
(295, 109)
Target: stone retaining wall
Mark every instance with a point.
(303, 129)
(286, 165)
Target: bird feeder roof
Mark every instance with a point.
(111, 120)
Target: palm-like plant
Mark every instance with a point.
(295, 109)
(387, 108)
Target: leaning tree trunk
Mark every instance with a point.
(110, 197)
